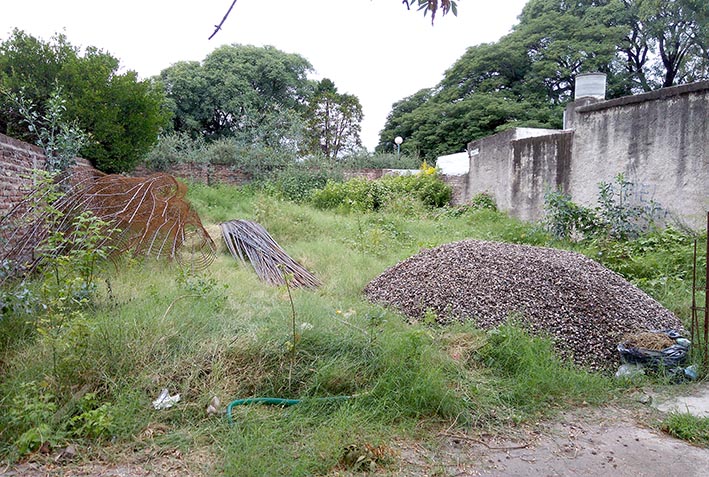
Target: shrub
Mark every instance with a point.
(365, 160)
(566, 220)
(483, 201)
(622, 213)
(362, 194)
(297, 182)
(173, 149)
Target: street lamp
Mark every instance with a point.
(398, 140)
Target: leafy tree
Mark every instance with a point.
(563, 39)
(121, 114)
(333, 121)
(254, 93)
(675, 30)
(527, 77)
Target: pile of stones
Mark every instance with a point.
(582, 306)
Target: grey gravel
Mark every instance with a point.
(584, 307)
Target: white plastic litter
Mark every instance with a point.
(165, 401)
(214, 405)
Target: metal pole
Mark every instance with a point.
(706, 302)
(694, 327)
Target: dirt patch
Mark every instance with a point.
(584, 442)
(147, 463)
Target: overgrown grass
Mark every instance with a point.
(224, 333)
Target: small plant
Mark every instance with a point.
(566, 220)
(93, 419)
(623, 212)
(60, 140)
(36, 420)
(483, 201)
(31, 416)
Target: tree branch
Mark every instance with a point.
(219, 27)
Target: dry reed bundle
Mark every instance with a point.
(249, 241)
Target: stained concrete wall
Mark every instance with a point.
(518, 166)
(658, 140)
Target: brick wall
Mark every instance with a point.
(17, 160)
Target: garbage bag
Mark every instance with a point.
(674, 356)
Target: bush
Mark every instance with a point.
(566, 220)
(483, 201)
(297, 182)
(621, 214)
(173, 149)
(365, 195)
(365, 160)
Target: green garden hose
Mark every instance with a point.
(280, 402)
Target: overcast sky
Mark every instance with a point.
(373, 49)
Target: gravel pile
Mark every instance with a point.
(584, 307)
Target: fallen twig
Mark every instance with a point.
(479, 441)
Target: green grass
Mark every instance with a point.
(224, 333)
(687, 427)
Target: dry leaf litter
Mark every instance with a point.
(585, 308)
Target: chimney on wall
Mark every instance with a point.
(590, 85)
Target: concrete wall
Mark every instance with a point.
(658, 140)
(517, 167)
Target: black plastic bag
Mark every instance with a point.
(672, 357)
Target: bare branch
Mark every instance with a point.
(219, 27)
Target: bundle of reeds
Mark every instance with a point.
(249, 241)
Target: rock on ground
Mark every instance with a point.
(584, 307)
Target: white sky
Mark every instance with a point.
(373, 49)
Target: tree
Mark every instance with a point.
(563, 39)
(400, 122)
(333, 121)
(676, 28)
(248, 92)
(121, 114)
(527, 77)
(432, 6)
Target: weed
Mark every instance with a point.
(687, 427)
(230, 339)
(532, 378)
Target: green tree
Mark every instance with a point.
(433, 6)
(334, 121)
(256, 94)
(527, 77)
(676, 32)
(121, 114)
